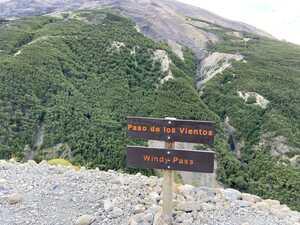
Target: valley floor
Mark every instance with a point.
(40, 194)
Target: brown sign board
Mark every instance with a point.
(171, 130)
(170, 159)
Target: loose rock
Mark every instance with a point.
(250, 198)
(108, 205)
(231, 194)
(85, 220)
(58, 195)
(15, 198)
(116, 212)
(139, 209)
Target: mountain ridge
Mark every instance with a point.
(161, 20)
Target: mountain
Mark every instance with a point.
(166, 20)
(69, 79)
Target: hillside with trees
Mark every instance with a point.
(68, 82)
(74, 81)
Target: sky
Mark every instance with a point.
(281, 18)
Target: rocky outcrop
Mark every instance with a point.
(258, 99)
(33, 193)
(117, 45)
(295, 161)
(278, 145)
(214, 64)
(165, 61)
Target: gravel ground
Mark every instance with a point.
(40, 194)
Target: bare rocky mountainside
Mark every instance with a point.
(165, 20)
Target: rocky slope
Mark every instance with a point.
(33, 193)
(162, 20)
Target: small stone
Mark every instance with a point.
(4, 190)
(117, 181)
(187, 191)
(83, 168)
(149, 218)
(154, 209)
(263, 206)
(138, 209)
(188, 206)
(138, 175)
(231, 194)
(280, 211)
(179, 198)
(15, 198)
(244, 204)
(208, 207)
(117, 212)
(189, 221)
(250, 198)
(295, 216)
(31, 163)
(272, 203)
(85, 220)
(12, 160)
(154, 196)
(136, 219)
(185, 188)
(108, 205)
(43, 163)
(3, 181)
(152, 182)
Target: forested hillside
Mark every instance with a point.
(259, 96)
(68, 82)
(73, 80)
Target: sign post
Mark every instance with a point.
(167, 191)
(169, 159)
(168, 181)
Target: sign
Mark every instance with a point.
(171, 130)
(170, 159)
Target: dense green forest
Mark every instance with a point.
(73, 79)
(78, 77)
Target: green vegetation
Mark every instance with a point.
(61, 162)
(271, 69)
(79, 79)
